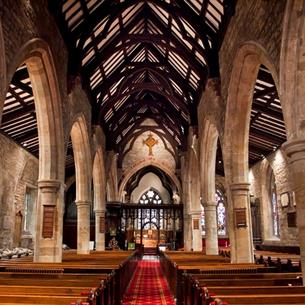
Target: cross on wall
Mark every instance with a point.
(150, 142)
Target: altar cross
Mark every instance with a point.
(150, 142)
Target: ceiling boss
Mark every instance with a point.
(150, 142)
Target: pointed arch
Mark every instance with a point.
(3, 72)
(208, 148)
(82, 156)
(99, 180)
(240, 94)
(38, 58)
(143, 164)
(292, 77)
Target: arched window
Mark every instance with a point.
(221, 213)
(151, 217)
(274, 208)
(202, 220)
(150, 197)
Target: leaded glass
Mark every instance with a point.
(221, 213)
(274, 209)
(202, 221)
(149, 217)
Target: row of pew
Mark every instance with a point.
(100, 278)
(204, 279)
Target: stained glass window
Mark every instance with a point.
(150, 218)
(274, 208)
(202, 220)
(221, 213)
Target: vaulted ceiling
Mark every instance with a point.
(142, 60)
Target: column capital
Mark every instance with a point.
(99, 211)
(50, 185)
(82, 203)
(295, 149)
(210, 204)
(194, 214)
(240, 186)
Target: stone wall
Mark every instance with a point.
(260, 176)
(257, 21)
(19, 169)
(139, 152)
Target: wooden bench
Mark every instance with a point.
(221, 286)
(102, 273)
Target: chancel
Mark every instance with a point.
(152, 152)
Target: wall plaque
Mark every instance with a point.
(196, 224)
(240, 218)
(292, 219)
(102, 224)
(48, 221)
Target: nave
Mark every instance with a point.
(148, 285)
(129, 278)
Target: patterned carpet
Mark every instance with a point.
(148, 286)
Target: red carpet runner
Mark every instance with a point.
(148, 286)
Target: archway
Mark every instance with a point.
(135, 169)
(246, 65)
(37, 58)
(292, 80)
(83, 177)
(208, 148)
(99, 188)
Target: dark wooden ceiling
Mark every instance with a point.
(140, 60)
(143, 59)
(267, 128)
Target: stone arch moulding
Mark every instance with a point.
(143, 164)
(38, 58)
(246, 64)
(82, 155)
(99, 180)
(292, 76)
(208, 148)
(245, 68)
(3, 85)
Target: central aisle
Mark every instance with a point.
(148, 285)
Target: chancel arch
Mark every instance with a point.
(127, 175)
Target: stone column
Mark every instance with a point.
(295, 150)
(196, 231)
(100, 230)
(49, 221)
(83, 226)
(211, 233)
(187, 232)
(241, 246)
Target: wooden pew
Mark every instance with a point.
(103, 271)
(175, 264)
(249, 284)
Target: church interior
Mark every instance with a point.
(152, 152)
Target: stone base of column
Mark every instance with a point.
(196, 231)
(100, 243)
(48, 255)
(211, 234)
(83, 226)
